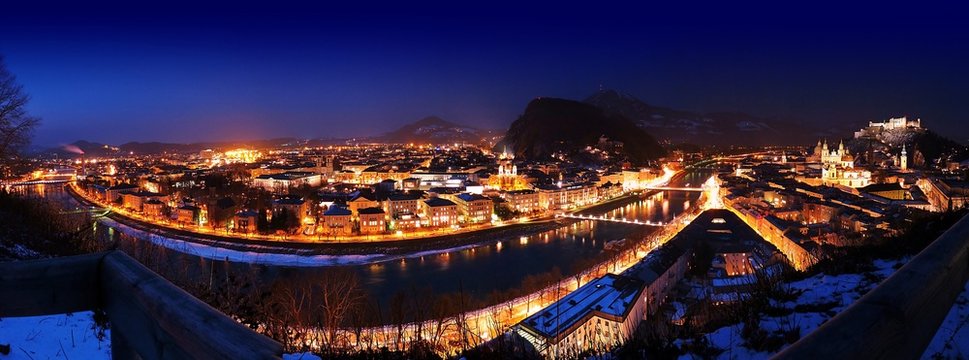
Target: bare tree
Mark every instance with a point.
(16, 125)
(398, 317)
(444, 313)
(339, 294)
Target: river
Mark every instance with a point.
(479, 271)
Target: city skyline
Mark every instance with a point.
(499, 181)
(233, 74)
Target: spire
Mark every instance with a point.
(904, 159)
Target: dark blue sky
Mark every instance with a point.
(115, 73)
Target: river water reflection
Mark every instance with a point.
(481, 270)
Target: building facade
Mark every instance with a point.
(473, 208)
(523, 201)
(372, 220)
(439, 212)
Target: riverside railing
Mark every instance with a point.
(150, 318)
(899, 318)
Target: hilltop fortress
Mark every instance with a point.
(876, 128)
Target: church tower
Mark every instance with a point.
(904, 159)
(507, 177)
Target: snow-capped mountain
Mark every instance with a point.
(716, 128)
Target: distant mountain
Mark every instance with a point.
(434, 130)
(715, 128)
(553, 125)
(80, 148)
(93, 149)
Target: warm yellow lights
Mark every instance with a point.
(242, 155)
(711, 190)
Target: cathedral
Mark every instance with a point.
(507, 178)
(838, 167)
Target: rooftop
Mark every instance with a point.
(371, 211)
(337, 211)
(472, 197)
(403, 197)
(286, 176)
(123, 187)
(435, 202)
(610, 296)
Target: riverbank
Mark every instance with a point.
(388, 247)
(290, 239)
(376, 247)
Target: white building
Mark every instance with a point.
(597, 316)
(838, 167)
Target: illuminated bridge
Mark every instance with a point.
(35, 182)
(604, 218)
(95, 212)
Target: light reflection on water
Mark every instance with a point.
(499, 265)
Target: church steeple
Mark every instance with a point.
(904, 158)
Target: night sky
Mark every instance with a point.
(113, 74)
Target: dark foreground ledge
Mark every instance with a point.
(150, 318)
(899, 318)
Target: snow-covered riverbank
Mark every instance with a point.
(263, 258)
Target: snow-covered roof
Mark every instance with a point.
(610, 296)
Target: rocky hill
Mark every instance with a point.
(550, 126)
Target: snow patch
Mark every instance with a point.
(301, 356)
(63, 336)
(951, 341)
